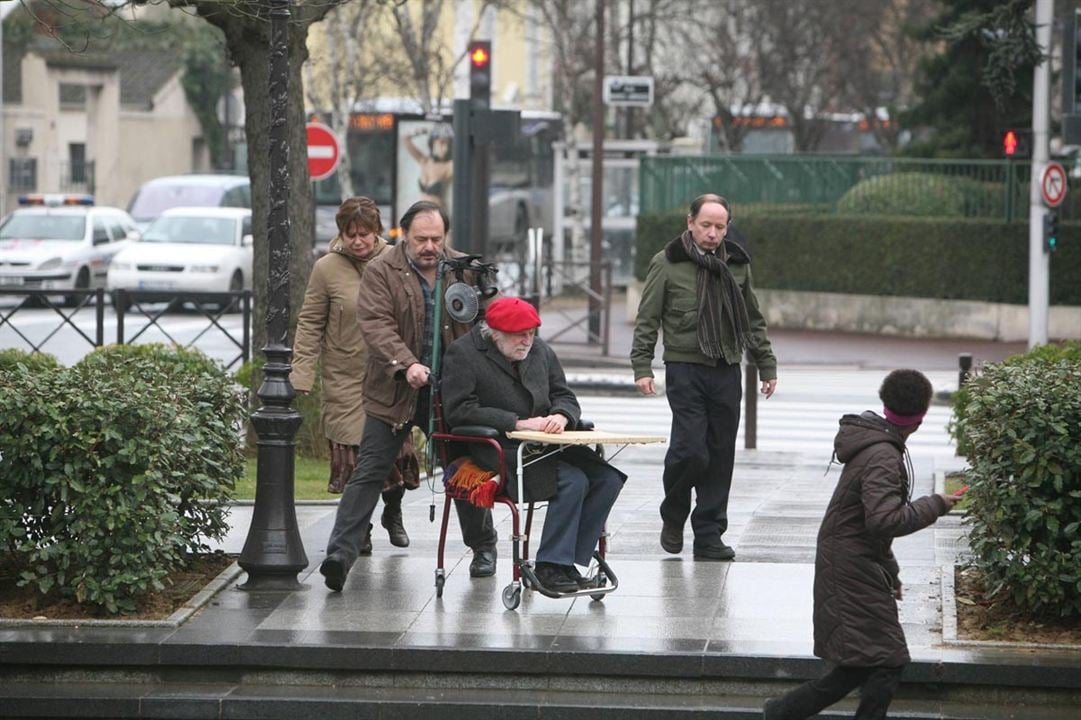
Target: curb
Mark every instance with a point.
(949, 623)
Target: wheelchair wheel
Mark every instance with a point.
(440, 581)
(602, 581)
(512, 596)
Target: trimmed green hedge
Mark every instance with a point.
(114, 472)
(958, 259)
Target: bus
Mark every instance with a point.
(398, 158)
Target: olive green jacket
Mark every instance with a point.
(669, 304)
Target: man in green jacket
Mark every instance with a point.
(699, 292)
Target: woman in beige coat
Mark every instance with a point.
(327, 328)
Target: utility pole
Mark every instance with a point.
(597, 204)
(1039, 262)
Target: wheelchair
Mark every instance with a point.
(449, 446)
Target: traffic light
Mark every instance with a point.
(480, 73)
(1017, 143)
(1071, 64)
(1050, 231)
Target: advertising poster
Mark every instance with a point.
(425, 169)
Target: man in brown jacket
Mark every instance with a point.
(395, 310)
(857, 582)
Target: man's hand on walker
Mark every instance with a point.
(768, 387)
(417, 375)
(646, 386)
(554, 424)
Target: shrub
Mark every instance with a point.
(113, 472)
(1069, 351)
(12, 357)
(905, 193)
(311, 441)
(1022, 430)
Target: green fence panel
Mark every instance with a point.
(847, 185)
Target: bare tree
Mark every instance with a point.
(347, 74)
(797, 60)
(878, 56)
(722, 59)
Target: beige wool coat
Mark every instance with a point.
(327, 328)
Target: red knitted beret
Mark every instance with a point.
(511, 315)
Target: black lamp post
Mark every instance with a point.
(273, 553)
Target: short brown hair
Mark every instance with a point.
(361, 211)
(701, 200)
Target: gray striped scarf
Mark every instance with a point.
(719, 300)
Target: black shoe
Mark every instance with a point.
(720, 551)
(584, 583)
(333, 571)
(483, 564)
(366, 543)
(672, 538)
(555, 578)
(395, 528)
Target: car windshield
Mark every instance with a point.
(197, 230)
(43, 227)
(152, 201)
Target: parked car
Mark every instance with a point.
(188, 250)
(160, 194)
(61, 242)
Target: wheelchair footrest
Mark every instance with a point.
(608, 581)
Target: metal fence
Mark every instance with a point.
(832, 184)
(138, 316)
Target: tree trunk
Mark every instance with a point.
(249, 45)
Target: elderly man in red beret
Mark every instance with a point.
(501, 375)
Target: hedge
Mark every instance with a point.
(957, 259)
(1022, 432)
(113, 473)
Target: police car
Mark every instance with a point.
(61, 242)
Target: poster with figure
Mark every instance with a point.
(425, 168)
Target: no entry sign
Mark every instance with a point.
(1053, 184)
(323, 151)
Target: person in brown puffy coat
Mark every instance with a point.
(857, 580)
(327, 330)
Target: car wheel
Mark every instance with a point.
(82, 282)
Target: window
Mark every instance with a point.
(117, 229)
(101, 235)
(77, 162)
(72, 97)
(245, 228)
(23, 173)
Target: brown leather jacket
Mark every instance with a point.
(390, 310)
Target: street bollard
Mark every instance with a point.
(750, 414)
(964, 360)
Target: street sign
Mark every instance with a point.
(323, 151)
(628, 90)
(1053, 184)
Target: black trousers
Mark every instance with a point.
(379, 448)
(705, 404)
(877, 687)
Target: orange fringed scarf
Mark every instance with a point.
(474, 483)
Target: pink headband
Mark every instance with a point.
(903, 420)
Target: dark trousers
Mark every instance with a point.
(877, 687)
(379, 448)
(576, 515)
(702, 451)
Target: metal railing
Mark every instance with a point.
(839, 184)
(128, 305)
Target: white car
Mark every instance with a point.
(61, 242)
(188, 250)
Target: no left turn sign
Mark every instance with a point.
(1053, 184)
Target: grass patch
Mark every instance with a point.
(311, 476)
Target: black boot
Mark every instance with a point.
(395, 529)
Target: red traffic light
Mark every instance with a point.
(479, 56)
(1009, 143)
